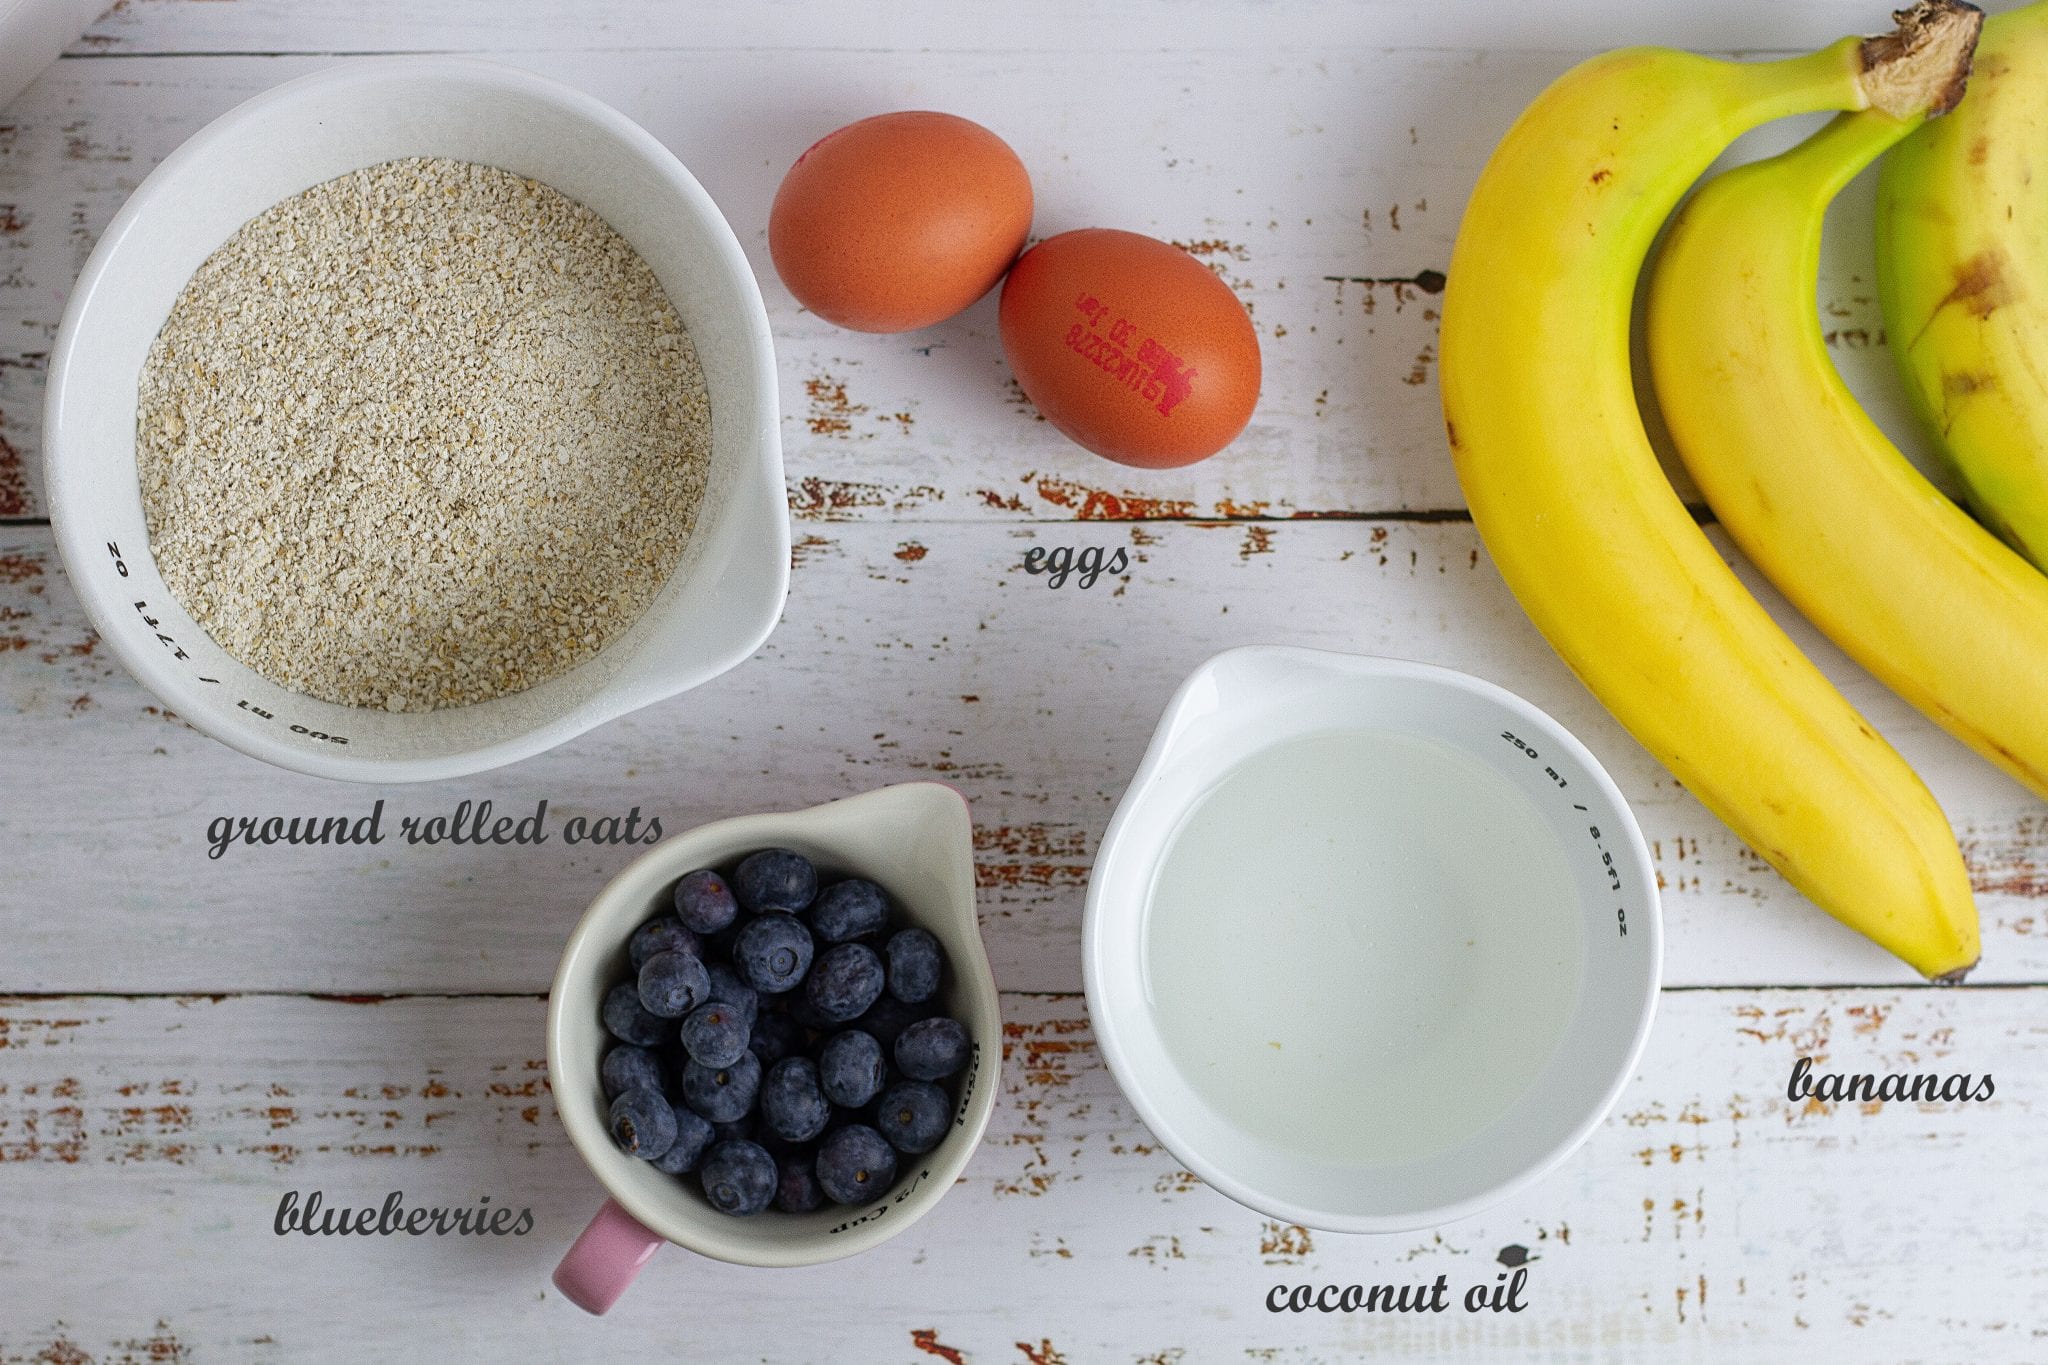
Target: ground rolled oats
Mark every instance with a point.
(423, 435)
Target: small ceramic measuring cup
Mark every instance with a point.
(916, 841)
(1248, 701)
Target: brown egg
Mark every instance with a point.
(1131, 347)
(899, 221)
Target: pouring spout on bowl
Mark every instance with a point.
(917, 838)
(918, 835)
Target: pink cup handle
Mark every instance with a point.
(606, 1259)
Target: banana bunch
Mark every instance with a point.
(1567, 493)
(1963, 269)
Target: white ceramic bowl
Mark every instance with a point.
(916, 841)
(723, 599)
(1245, 701)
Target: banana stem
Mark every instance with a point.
(1844, 146)
(1921, 65)
(1830, 78)
(1919, 68)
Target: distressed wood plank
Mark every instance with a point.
(1321, 186)
(929, 425)
(153, 26)
(1707, 1219)
(1036, 703)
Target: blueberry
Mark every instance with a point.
(793, 1107)
(932, 1049)
(673, 983)
(851, 1070)
(739, 1178)
(629, 1067)
(773, 952)
(727, 988)
(694, 1135)
(663, 935)
(888, 1017)
(850, 910)
(642, 1123)
(855, 1165)
(913, 1116)
(732, 1130)
(704, 902)
(714, 1034)
(776, 1036)
(775, 879)
(796, 1185)
(844, 981)
(914, 965)
(722, 1093)
(627, 1020)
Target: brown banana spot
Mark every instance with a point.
(1980, 285)
(1963, 383)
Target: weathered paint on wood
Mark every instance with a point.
(1036, 702)
(134, 27)
(144, 1145)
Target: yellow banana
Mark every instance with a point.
(1962, 232)
(1875, 555)
(1568, 495)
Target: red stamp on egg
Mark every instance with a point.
(1149, 369)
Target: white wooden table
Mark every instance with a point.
(184, 1040)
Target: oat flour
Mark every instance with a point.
(420, 436)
